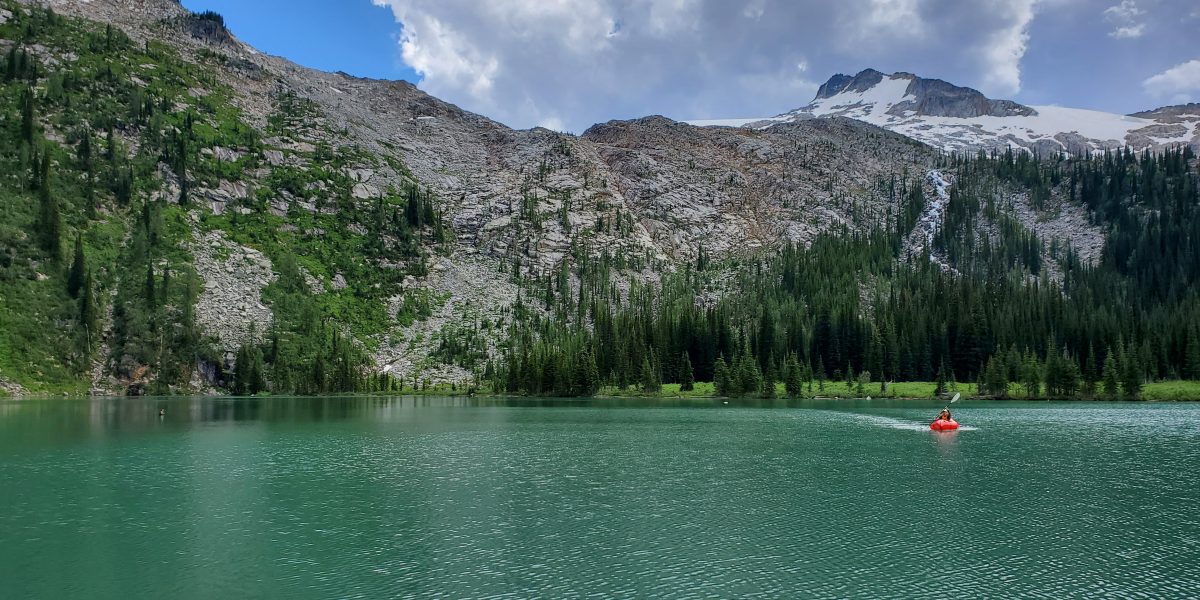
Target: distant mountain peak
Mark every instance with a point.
(958, 118)
(920, 96)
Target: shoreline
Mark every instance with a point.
(1163, 391)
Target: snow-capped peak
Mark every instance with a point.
(959, 118)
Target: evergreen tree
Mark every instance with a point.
(1111, 374)
(1069, 384)
(75, 276)
(49, 217)
(940, 387)
(686, 378)
(241, 372)
(995, 377)
(749, 375)
(792, 378)
(1031, 375)
(1090, 373)
(255, 381)
(89, 314)
(148, 291)
(587, 375)
(721, 377)
(649, 379)
(28, 118)
(768, 380)
(1192, 357)
(820, 374)
(1131, 381)
(165, 285)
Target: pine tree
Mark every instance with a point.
(940, 387)
(792, 377)
(84, 153)
(585, 375)
(1192, 355)
(1090, 374)
(995, 377)
(820, 374)
(164, 289)
(1131, 370)
(1031, 375)
(76, 275)
(1110, 375)
(748, 375)
(49, 219)
(148, 292)
(686, 378)
(648, 378)
(721, 377)
(89, 314)
(28, 119)
(1070, 374)
(241, 371)
(255, 381)
(1053, 373)
(768, 380)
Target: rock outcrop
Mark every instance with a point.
(230, 307)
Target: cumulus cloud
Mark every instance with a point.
(1126, 19)
(1179, 84)
(570, 63)
(1004, 48)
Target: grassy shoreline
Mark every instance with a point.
(1162, 391)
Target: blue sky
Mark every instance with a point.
(354, 36)
(569, 63)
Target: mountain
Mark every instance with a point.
(187, 214)
(957, 118)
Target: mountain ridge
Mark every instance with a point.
(955, 118)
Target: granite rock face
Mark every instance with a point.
(230, 307)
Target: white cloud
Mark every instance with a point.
(1130, 32)
(1126, 20)
(1179, 84)
(569, 63)
(1124, 12)
(754, 9)
(1004, 49)
(885, 20)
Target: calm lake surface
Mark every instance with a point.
(458, 498)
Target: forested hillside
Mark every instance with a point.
(112, 150)
(183, 214)
(848, 307)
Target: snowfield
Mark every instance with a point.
(1052, 128)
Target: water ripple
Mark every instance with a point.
(578, 501)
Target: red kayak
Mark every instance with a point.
(947, 425)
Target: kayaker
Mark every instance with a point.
(944, 415)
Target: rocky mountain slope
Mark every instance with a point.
(956, 118)
(299, 178)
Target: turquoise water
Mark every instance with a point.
(404, 497)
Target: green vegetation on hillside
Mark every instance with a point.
(108, 146)
(845, 308)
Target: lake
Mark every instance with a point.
(472, 498)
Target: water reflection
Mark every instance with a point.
(99, 417)
(947, 444)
